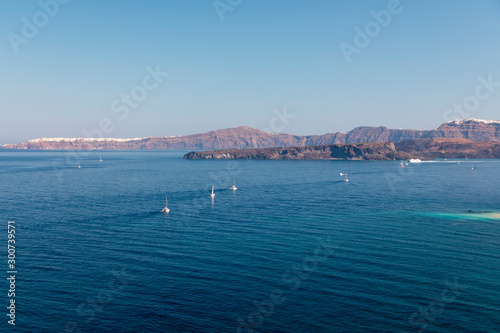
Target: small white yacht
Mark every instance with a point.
(79, 166)
(100, 158)
(234, 188)
(166, 209)
(212, 194)
(345, 179)
(415, 160)
(473, 167)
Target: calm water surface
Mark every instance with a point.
(294, 249)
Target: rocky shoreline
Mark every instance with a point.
(357, 151)
(423, 149)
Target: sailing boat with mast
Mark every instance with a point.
(166, 209)
(212, 195)
(345, 179)
(234, 188)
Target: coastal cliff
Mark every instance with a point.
(423, 148)
(450, 148)
(357, 151)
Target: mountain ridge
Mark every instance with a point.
(245, 137)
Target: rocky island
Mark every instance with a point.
(423, 149)
(355, 151)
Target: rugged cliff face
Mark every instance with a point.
(246, 137)
(423, 148)
(450, 148)
(358, 151)
(472, 129)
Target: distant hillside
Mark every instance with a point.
(246, 137)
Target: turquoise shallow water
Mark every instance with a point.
(294, 249)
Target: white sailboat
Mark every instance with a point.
(234, 188)
(345, 179)
(79, 166)
(166, 209)
(212, 194)
(472, 167)
(100, 158)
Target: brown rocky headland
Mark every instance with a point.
(356, 151)
(450, 148)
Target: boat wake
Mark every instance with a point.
(469, 215)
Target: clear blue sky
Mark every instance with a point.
(264, 55)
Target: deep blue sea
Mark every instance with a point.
(294, 249)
